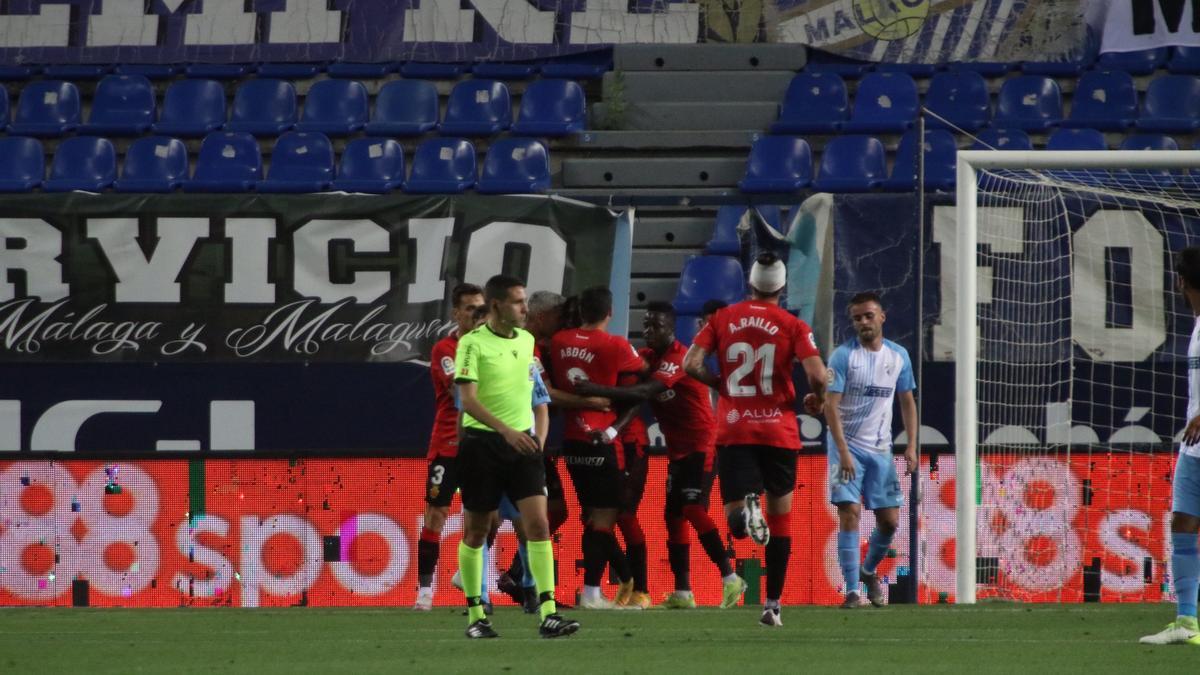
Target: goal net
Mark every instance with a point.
(1071, 343)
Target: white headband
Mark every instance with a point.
(768, 278)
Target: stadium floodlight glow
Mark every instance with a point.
(1046, 176)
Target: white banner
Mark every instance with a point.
(1132, 25)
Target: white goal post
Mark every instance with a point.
(967, 404)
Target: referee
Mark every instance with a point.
(499, 453)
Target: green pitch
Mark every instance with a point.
(987, 638)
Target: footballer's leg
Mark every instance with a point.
(476, 526)
(597, 478)
(1185, 557)
(692, 486)
(440, 485)
(881, 494)
(741, 484)
(846, 495)
(638, 594)
(778, 466)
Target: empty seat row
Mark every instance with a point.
(888, 102)
(300, 162)
(125, 105)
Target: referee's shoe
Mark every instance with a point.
(556, 625)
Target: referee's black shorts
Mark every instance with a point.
(488, 467)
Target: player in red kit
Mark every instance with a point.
(595, 464)
(442, 480)
(757, 343)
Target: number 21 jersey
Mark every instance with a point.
(756, 345)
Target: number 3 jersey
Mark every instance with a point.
(756, 344)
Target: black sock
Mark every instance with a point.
(637, 563)
(737, 523)
(517, 569)
(616, 557)
(595, 557)
(779, 549)
(711, 541)
(678, 557)
(427, 559)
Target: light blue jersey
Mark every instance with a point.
(868, 382)
(1185, 490)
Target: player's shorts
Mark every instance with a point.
(441, 482)
(751, 468)
(489, 468)
(876, 483)
(595, 473)
(1185, 489)
(554, 486)
(633, 485)
(689, 482)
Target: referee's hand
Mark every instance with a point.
(520, 441)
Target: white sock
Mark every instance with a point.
(729, 578)
(683, 594)
(592, 593)
(771, 604)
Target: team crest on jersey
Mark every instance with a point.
(514, 353)
(888, 368)
(533, 372)
(434, 491)
(447, 365)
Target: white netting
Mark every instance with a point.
(1081, 376)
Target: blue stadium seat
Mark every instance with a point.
(1160, 177)
(709, 277)
(433, 71)
(984, 68)
(725, 239)
(289, 70)
(17, 73)
(686, 327)
(940, 156)
(228, 162)
(961, 97)
(46, 108)
(1076, 139)
(150, 71)
(76, 71)
(442, 166)
(884, 103)
(1103, 100)
(263, 107)
(191, 108)
(123, 105)
(24, 165)
(477, 108)
(851, 164)
(405, 108)
(497, 70)
(590, 65)
(363, 71)
(1171, 104)
(515, 166)
(82, 163)
(372, 165)
(4, 110)
(301, 161)
(1002, 139)
(334, 107)
(552, 108)
(1184, 60)
(153, 164)
(777, 164)
(218, 71)
(1142, 62)
(1029, 102)
(814, 103)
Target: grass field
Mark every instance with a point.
(982, 639)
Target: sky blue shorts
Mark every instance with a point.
(508, 510)
(876, 483)
(1185, 490)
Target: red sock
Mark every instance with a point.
(699, 518)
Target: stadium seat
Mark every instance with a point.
(515, 166)
(1171, 104)
(940, 156)
(961, 97)
(709, 277)
(1103, 100)
(363, 71)
(442, 166)
(814, 103)
(851, 164)
(153, 164)
(334, 108)
(1076, 139)
(1160, 177)
(497, 70)
(218, 71)
(1028, 102)
(123, 105)
(1002, 139)
(726, 239)
(4, 110)
(372, 165)
(884, 103)
(301, 161)
(1184, 60)
(589, 65)
(1142, 62)
(82, 163)
(686, 327)
(191, 108)
(228, 162)
(263, 107)
(777, 164)
(76, 71)
(46, 108)
(433, 71)
(552, 108)
(289, 71)
(405, 108)
(24, 165)
(477, 108)
(150, 71)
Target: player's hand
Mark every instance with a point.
(846, 465)
(520, 441)
(598, 403)
(813, 405)
(910, 459)
(583, 387)
(1191, 434)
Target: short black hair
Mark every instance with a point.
(865, 296)
(711, 306)
(463, 290)
(595, 304)
(1187, 266)
(661, 307)
(570, 313)
(497, 287)
(767, 258)
(480, 313)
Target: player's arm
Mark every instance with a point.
(566, 399)
(541, 423)
(694, 365)
(637, 393)
(833, 384)
(908, 411)
(814, 371)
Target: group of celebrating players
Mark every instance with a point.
(509, 360)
